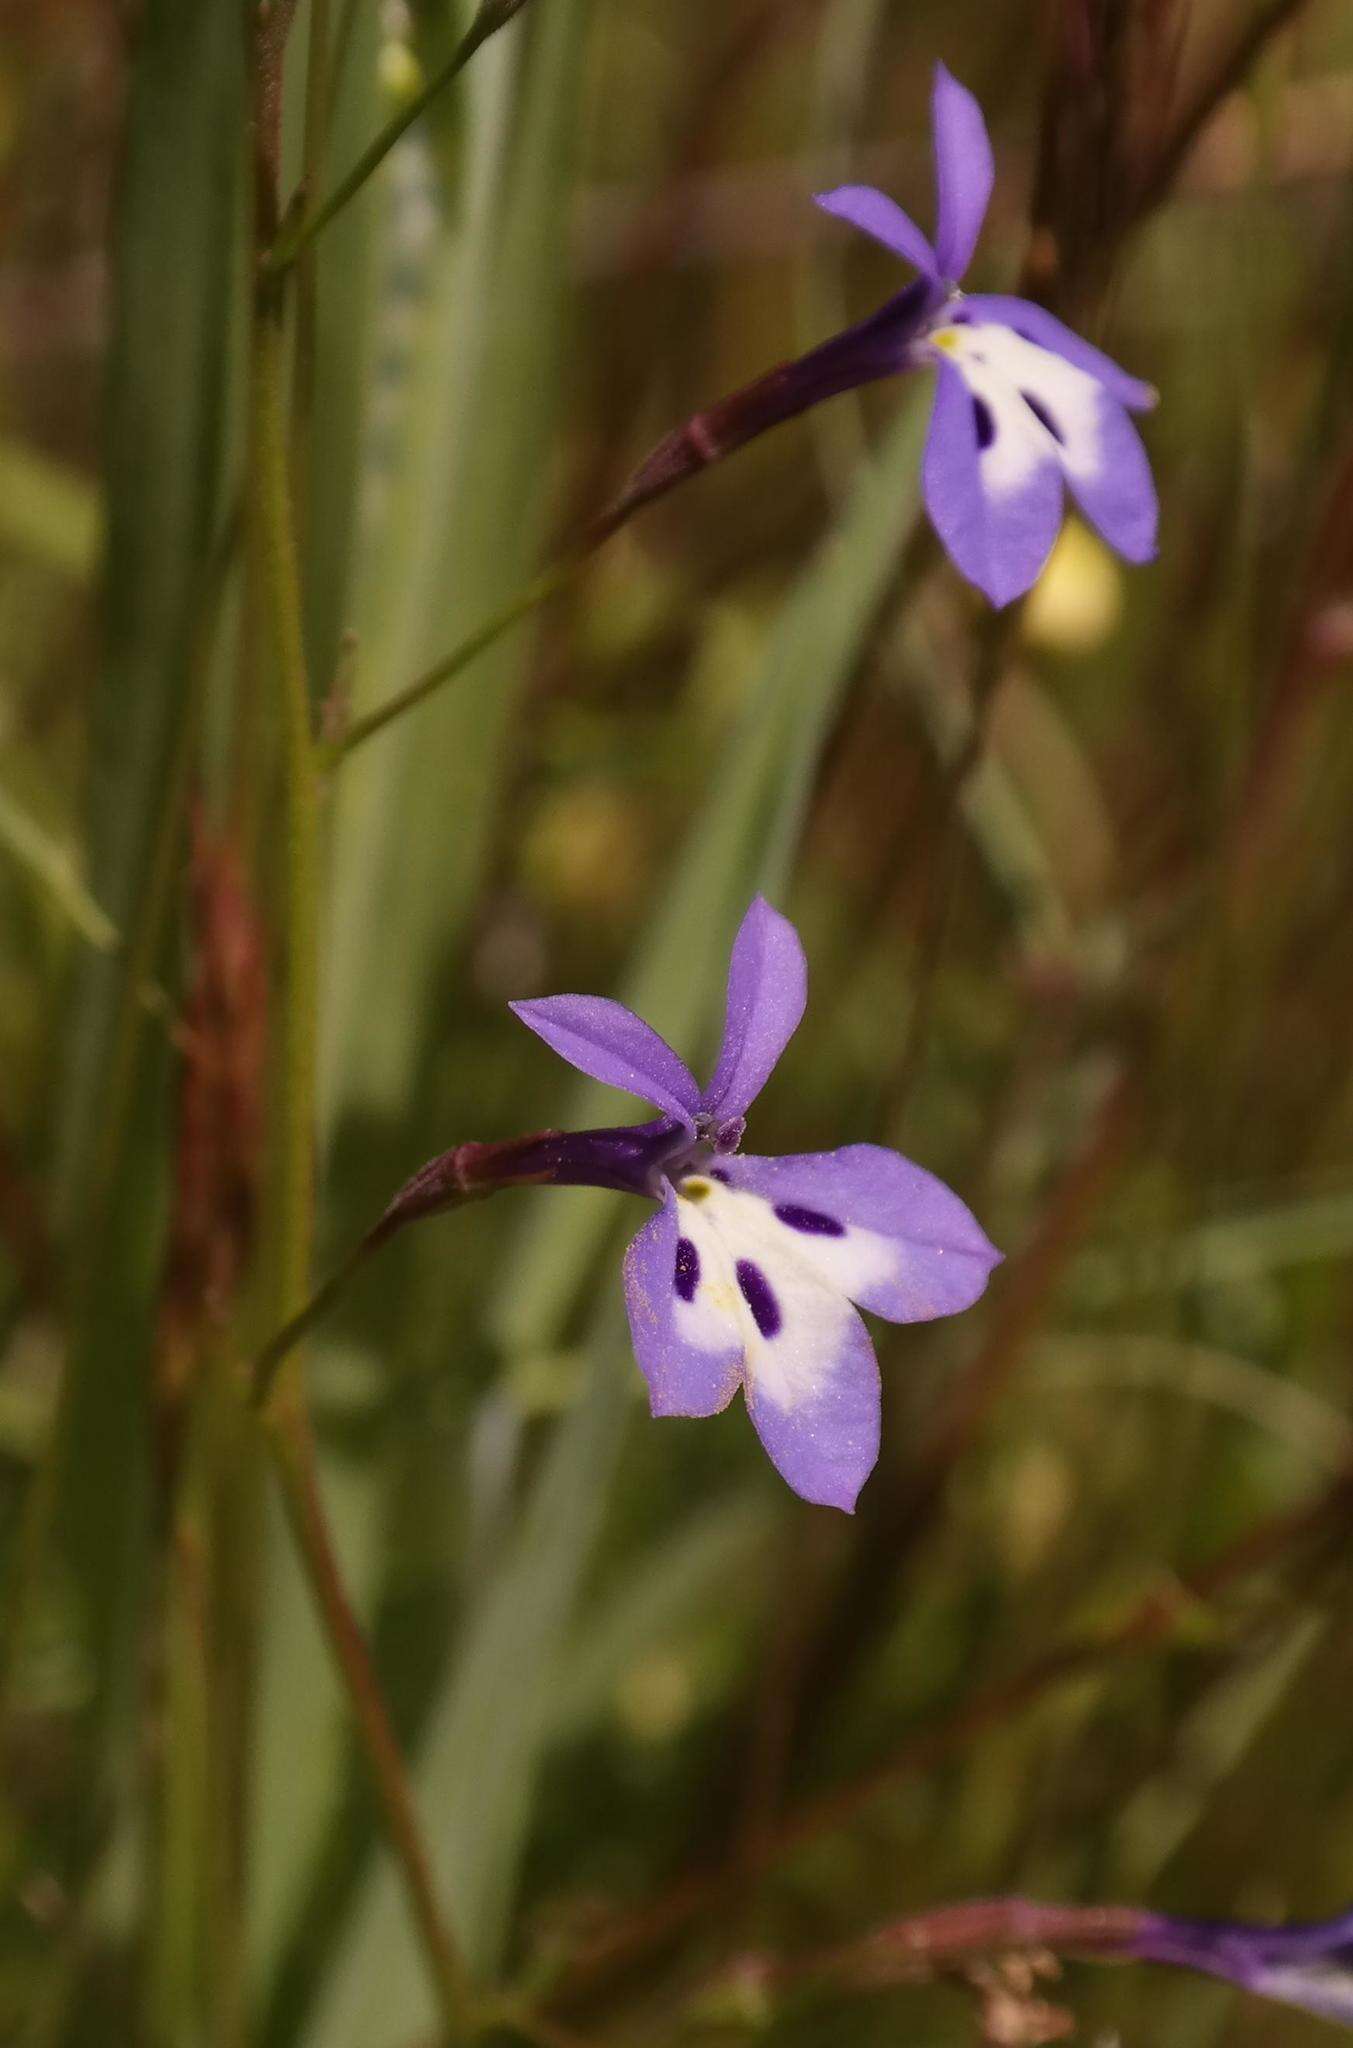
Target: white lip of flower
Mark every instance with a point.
(1036, 404)
(787, 1315)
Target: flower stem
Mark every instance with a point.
(536, 592)
(297, 235)
(294, 1459)
(279, 1348)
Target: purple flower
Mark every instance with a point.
(1024, 409)
(746, 1275)
(1308, 1965)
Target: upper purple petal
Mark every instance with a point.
(1036, 324)
(767, 990)
(824, 1440)
(683, 1378)
(1000, 539)
(942, 1257)
(609, 1042)
(883, 218)
(964, 170)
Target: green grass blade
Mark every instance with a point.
(167, 410)
(412, 816)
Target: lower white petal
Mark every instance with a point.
(1036, 406)
(788, 1290)
(808, 1367)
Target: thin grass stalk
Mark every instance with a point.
(314, 149)
(234, 1532)
(302, 229)
(342, 47)
(275, 542)
(288, 1429)
(294, 1461)
(184, 1852)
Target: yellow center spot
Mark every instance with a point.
(947, 339)
(695, 1189)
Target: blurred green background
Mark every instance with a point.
(1083, 1639)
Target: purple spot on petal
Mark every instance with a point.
(717, 1173)
(1044, 418)
(984, 422)
(811, 1221)
(687, 1276)
(758, 1297)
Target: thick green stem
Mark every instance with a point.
(302, 230)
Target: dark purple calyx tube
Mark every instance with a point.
(632, 1158)
(878, 346)
(1309, 1964)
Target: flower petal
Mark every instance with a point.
(813, 1396)
(964, 170)
(609, 1042)
(878, 215)
(1035, 324)
(1322, 1987)
(808, 1366)
(1113, 485)
(873, 1225)
(688, 1345)
(1037, 404)
(993, 489)
(767, 990)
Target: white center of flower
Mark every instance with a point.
(778, 1293)
(1030, 404)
